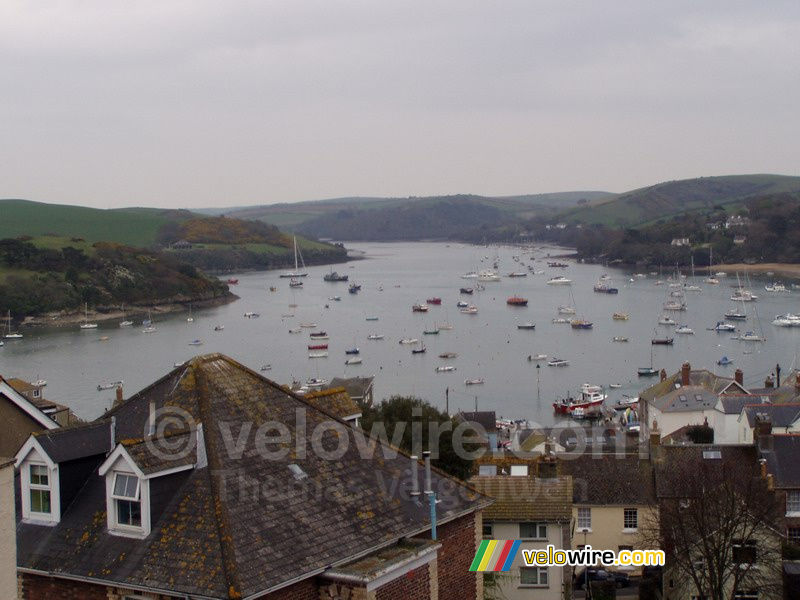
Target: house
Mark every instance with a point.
(181, 245)
(336, 401)
(715, 516)
(214, 482)
(484, 424)
(536, 510)
(779, 454)
(360, 389)
(679, 242)
(739, 239)
(784, 418)
(692, 397)
(35, 393)
(613, 499)
(21, 416)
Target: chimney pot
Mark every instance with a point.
(414, 477)
(739, 376)
(119, 393)
(686, 370)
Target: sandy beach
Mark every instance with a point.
(786, 270)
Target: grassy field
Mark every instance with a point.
(135, 227)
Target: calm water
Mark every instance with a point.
(393, 278)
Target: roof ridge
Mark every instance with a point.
(221, 517)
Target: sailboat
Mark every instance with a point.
(711, 279)
(749, 335)
(296, 272)
(647, 371)
(190, 317)
(692, 287)
(148, 323)
(125, 322)
(86, 324)
(10, 335)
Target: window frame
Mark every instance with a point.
(626, 520)
(792, 503)
(587, 513)
(537, 525)
(488, 531)
(541, 572)
(138, 497)
(748, 547)
(41, 488)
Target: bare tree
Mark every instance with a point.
(718, 525)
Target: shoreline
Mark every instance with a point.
(60, 319)
(787, 270)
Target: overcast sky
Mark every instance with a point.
(199, 103)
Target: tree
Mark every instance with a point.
(716, 524)
(424, 427)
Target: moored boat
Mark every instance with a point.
(444, 369)
(558, 362)
(473, 381)
(526, 326)
(517, 301)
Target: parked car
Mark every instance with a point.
(592, 574)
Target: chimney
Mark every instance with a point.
(151, 418)
(763, 463)
(113, 442)
(414, 478)
(769, 382)
(427, 455)
(686, 369)
(8, 528)
(770, 482)
(739, 377)
(119, 394)
(663, 375)
(762, 434)
(655, 442)
(778, 375)
(797, 384)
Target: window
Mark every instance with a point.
(630, 519)
(519, 470)
(533, 531)
(533, 576)
(585, 518)
(793, 535)
(746, 595)
(39, 486)
(793, 501)
(488, 530)
(744, 552)
(127, 505)
(487, 470)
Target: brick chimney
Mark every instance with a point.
(119, 394)
(739, 377)
(762, 433)
(686, 370)
(663, 375)
(769, 382)
(655, 441)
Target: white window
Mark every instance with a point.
(793, 501)
(585, 519)
(126, 499)
(39, 490)
(487, 470)
(519, 470)
(533, 531)
(630, 519)
(533, 576)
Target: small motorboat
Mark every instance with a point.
(536, 357)
(219, 328)
(353, 361)
(353, 350)
(620, 338)
(473, 381)
(526, 326)
(448, 355)
(615, 386)
(266, 367)
(444, 369)
(724, 361)
(196, 343)
(558, 362)
(375, 336)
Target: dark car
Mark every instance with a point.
(620, 579)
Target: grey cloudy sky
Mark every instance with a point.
(192, 103)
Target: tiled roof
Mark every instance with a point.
(782, 461)
(693, 459)
(334, 400)
(246, 523)
(523, 499)
(609, 479)
(685, 399)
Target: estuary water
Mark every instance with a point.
(394, 277)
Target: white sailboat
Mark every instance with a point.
(296, 272)
(749, 335)
(125, 322)
(148, 323)
(7, 332)
(711, 279)
(190, 318)
(86, 324)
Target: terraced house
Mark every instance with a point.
(214, 482)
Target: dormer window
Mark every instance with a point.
(39, 491)
(127, 501)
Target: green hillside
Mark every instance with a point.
(666, 200)
(130, 226)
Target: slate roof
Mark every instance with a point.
(733, 405)
(334, 400)
(525, 499)
(357, 387)
(781, 415)
(690, 459)
(698, 378)
(171, 455)
(686, 399)
(609, 480)
(782, 461)
(244, 524)
(70, 443)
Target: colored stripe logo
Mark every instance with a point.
(495, 555)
